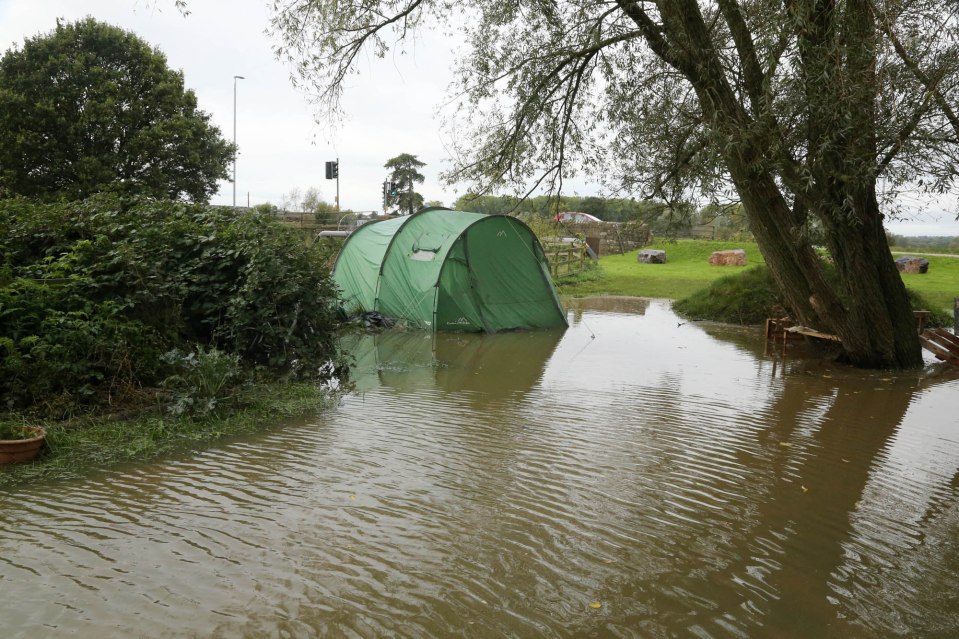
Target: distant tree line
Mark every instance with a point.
(726, 221)
(925, 242)
(606, 209)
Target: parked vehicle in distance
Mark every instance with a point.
(576, 217)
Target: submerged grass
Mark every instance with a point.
(74, 449)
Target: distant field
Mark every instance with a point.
(923, 251)
(687, 271)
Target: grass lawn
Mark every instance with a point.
(940, 285)
(687, 271)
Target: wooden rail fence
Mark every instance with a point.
(609, 238)
(566, 259)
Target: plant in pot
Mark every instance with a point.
(20, 443)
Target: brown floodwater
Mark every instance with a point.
(633, 476)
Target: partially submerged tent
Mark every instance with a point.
(450, 271)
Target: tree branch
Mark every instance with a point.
(930, 84)
(753, 78)
(651, 32)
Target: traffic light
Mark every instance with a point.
(332, 170)
(386, 192)
(393, 189)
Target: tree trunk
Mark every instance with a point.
(791, 260)
(870, 310)
(877, 326)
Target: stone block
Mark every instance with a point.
(651, 256)
(735, 257)
(910, 264)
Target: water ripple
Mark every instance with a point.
(633, 479)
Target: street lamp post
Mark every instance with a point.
(235, 78)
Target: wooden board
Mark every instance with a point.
(811, 332)
(944, 337)
(941, 343)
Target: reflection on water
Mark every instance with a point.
(633, 476)
(608, 304)
(501, 365)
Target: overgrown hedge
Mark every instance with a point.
(103, 300)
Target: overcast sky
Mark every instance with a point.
(281, 146)
(392, 103)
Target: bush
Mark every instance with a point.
(751, 296)
(93, 292)
(203, 381)
(938, 318)
(745, 298)
(61, 351)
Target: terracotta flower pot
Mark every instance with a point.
(21, 450)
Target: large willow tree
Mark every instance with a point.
(799, 108)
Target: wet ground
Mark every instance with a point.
(634, 476)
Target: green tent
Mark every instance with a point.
(450, 271)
